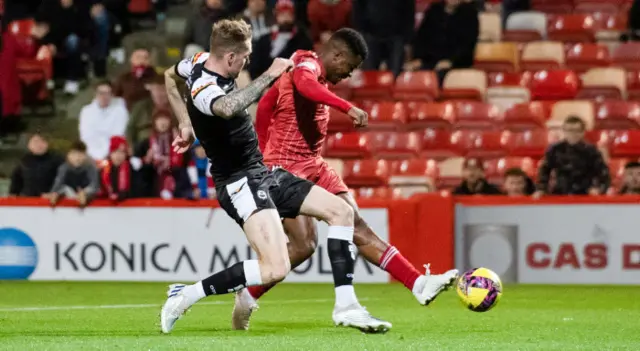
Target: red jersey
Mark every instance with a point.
(293, 115)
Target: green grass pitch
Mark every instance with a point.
(124, 316)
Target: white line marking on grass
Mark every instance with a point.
(149, 305)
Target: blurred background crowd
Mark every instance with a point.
(519, 97)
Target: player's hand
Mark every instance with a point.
(359, 117)
(183, 141)
(279, 66)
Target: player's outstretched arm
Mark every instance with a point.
(175, 100)
(307, 85)
(229, 105)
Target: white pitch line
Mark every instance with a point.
(147, 305)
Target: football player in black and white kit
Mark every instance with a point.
(255, 197)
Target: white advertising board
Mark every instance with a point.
(144, 244)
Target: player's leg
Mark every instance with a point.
(249, 204)
(375, 250)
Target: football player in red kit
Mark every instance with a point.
(292, 123)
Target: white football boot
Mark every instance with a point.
(356, 316)
(429, 286)
(242, 310)
(173, 309)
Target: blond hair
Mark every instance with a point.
(229, 35)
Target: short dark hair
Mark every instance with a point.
(354, 41)
(78, 146)
(104, 83)
(515, 172)
(632, 165)
(575, 120)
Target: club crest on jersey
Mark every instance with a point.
(262, 194)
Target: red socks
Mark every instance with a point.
(257, 291)
(400, 269)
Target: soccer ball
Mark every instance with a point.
(479, 289)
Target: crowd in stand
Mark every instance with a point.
(126, 131)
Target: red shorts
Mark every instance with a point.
(318, 171)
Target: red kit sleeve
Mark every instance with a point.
(307, 85)
(264, 115)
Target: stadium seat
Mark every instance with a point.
(484, 144)
(436, 144)
(525, 27)
(530, 143)
(496, 57)
(554, 85)
(414, 171)
(140, 7)
(366, 173)
(349, 145)
(450, 172)
(626, 144)
(596, 6)
(387, 115)
(583, 56)
(627, 56)
(604, 83)
(416, 86)
(494, 169)
(342, 89)
(572, 28)
(616, 170)
(552, 6)
(611, 26)
(464, 84)
(372, 85)
(339, 122)
(477, 115)
(579, 108)
(542, 55)
(394, 145)
(617, 115)
(510, 79)
(525, 116)
(490, 27)
(431, 115)
(378, 193)
(633, 85)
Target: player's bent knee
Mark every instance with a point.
(275, 272)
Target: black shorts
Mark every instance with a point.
(277, 189)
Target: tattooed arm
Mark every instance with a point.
(229, 105)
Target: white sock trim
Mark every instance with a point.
(194, 292)
(340, 233)
(345, 296)
(252, 272)
(392, 251)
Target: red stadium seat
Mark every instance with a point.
(633, 85)
(436, 144)
(551, 6)
(626, 144)
(339, 122)
(484, 144)
(379, 193)
(525, 116)
(414, 171)
(349, 145)
(477, 115)
(393, 145)
(554, 85)
(600, 6)
(615, 114)
(366, 173)
(616, 170)
(573, 28)
(510, 79)
(528, 143)
(583, 56)
(431, 115)
(521, 36)
(372, 85)
(494, 169)
(342, 89)
(387, 115)
(627, 56)
(416, 86)
(140, 6)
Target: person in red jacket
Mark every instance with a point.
(115, 175)
(327, 16)
(291, 123)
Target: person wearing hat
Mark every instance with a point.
(117, 170)
(474, 182)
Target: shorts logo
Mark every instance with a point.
(262, 194)
(240, 188)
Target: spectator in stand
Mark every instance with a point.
(140, 121)
(70, 32)
(118, 11)
(130, 85)
(198, 30)
(513, 6)
(10, 88)
(77, 178)
(388, 28)
(164, 172)
(446, 38)
(104, 117)
(474, 182)
(517, 183)
(116, 175)
(578, 166)
(327, 16)
(634, 21)
(37, 170)
(260, 20)
(286, 37)
(631, 185)
(102, 24)
(199, 174)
